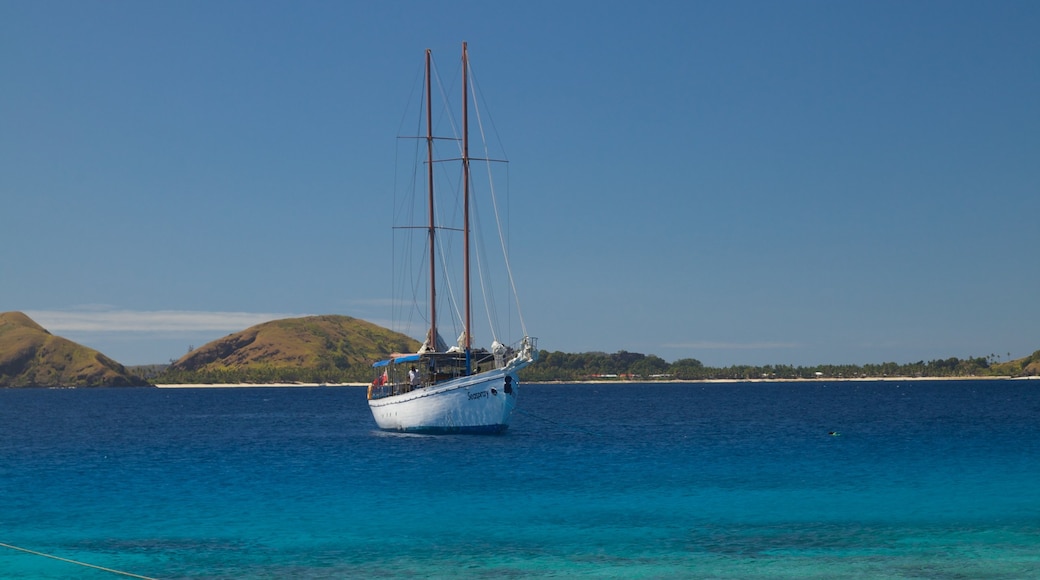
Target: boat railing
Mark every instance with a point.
(440, 367)
(432, 370)
(389, 390)
(526, 347)
(531, 343)
(393, 389)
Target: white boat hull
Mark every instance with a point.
(473, 404)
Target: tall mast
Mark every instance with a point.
(465, 192)
(433, 225)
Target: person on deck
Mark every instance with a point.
(413, 377)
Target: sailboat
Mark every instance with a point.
(460, 389)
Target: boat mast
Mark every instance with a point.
(465, 195)
(432, 227)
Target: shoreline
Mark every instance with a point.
(612, 382)
(796, 380)
(259, 385)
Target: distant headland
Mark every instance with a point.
(32, 357)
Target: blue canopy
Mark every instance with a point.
(397, 359)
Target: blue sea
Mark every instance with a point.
(912, 479)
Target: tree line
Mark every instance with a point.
(623, 365)
(264, 374)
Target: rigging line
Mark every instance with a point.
(498, 219)
(415, 87)
(444, 243)
(486, 281)
(448, 113)
(417, 282)
(78, 563)
(446, 248)
(484, 275)
(418, 177)
(509, 230)
(404, 212)
(494, 129)
(445, 111)
(402, 266)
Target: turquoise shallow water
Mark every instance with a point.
(926, 480)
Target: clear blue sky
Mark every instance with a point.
(738, 182)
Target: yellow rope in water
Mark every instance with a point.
(28, 551)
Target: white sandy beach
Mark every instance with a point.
(240, 385)
(761, 380)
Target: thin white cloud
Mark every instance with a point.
(711, 345)
(154, 322)
(380, 302)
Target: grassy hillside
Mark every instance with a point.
(310, 349)
(32, 357)
(1024, 367)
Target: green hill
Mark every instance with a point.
(310, 349)
(32, 357)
